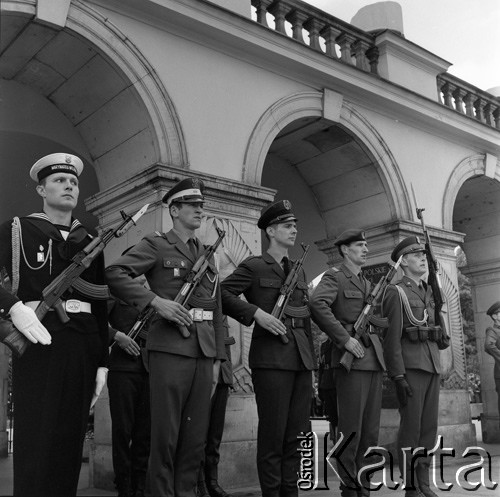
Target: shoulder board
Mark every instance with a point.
(158, 233)
(335, 270)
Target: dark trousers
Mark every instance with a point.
(180, 390)
(497, 384)
(359, 395)
(419, 418)
(215, 431)
(283, 403)
(130, 426)
(53, 386)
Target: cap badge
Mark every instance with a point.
(68, 159)
(287, 205)
(196, 183)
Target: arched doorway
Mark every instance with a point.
(476, 213)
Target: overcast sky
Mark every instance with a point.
(465, 33)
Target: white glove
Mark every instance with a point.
(25, 320)
(100, 381)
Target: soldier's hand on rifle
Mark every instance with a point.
(403, 390)
(269, 322)
(172, 311)
(127, 344)
(26, 321)
(355, 348)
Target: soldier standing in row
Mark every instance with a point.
(281, 373)
(128, 387)
(56, 378)
(411, 349)
(336, 304)
(181, 370)
(492, 344)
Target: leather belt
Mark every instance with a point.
(198, 314)
(71, 306)
(295, 322)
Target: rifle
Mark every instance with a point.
(194, 277)
(434, 278)
(53, 292)
(142, 319)
(366, 317)
(288, 288)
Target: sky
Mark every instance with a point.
(465, 33)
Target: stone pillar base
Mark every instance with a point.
(490, 426)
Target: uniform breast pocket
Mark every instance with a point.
(176, 266)
(353, 294)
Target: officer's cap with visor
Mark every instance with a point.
(409, 245)
(276, 213)
(186, 191)
(56, 163)
(494, 309)
(349, 236)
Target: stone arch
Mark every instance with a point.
(99, 33)
(126, 56)
(470, 167)
(313, 104)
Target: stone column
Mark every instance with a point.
(485, 283)
(454, 413)
(235, 208)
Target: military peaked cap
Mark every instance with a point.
(56, 163)
(278, 212)
(407, 246)
(494, 308)
(349, 236)
(185, 191)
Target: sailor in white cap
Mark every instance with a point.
(56, 377)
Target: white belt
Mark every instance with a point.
(71, 306)
(198, 314)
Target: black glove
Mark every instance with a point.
(403, 390)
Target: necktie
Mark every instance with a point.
(286, 265)
(192, 247)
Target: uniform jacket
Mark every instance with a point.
(492, 347)
(337, 301)
(259, 279)
(400, 353)
(165, 260)
(38, 234)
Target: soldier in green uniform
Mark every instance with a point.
(181, 370)
(411, 349)
(492, 344)
(336, 303)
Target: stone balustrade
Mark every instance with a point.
(324, 33)
(469, 100)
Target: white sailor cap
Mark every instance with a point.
(56, 163)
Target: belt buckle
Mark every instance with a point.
(208, 315)
(73, 306)
(197, 314)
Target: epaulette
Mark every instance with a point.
(158, 233)
(335, 270)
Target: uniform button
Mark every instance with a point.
(2, 311)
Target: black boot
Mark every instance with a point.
(423, 481)
(123, 486)
(215, 490)
(201, 489)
